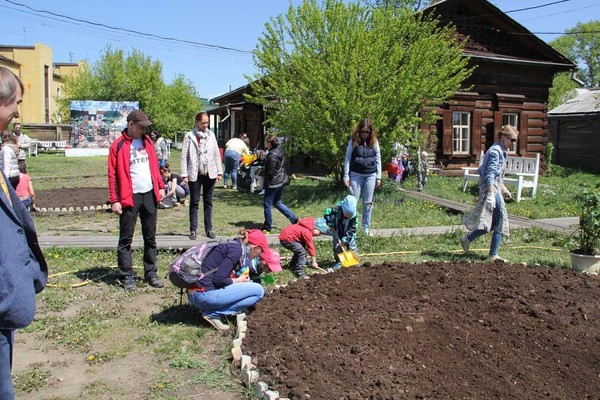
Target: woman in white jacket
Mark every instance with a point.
(10, 158)
(201, 168)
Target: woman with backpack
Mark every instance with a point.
(221, 291)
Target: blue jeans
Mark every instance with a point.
(496, 236)
(232, 162)
(227, 301)
(364, 184)
(6, 349)
(273, 198)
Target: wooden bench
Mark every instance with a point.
(521, 172)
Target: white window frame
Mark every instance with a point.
(461, 132)
(511, 119)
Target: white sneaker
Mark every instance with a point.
(216, 323)
(224, 186)
(464, 242)
(234, 187)
(367, 232)
(496, 259)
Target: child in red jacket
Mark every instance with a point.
(298, 238)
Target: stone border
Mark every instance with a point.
(248, 372)
(72, 209)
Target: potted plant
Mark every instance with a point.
(586, 256)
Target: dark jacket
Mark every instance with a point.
(23, 268)
(363, 160)
(224, 258)
(275, 175)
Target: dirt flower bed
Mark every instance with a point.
(431, 331)
(69, 197)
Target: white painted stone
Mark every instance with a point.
(92, 208)
(241, 335)
(249, 377)
(78, 209)
(240, 318)
(236, 352)
(237, 342)
(260, 388)
(85, 208)
(64, 209)
(44, 209)
(246, 362)
(71, 209)
(270, 395)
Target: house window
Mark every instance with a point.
(511, 119)
(461, 127)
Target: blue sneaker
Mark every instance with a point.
(337, 266)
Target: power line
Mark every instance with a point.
(536, 7)
(150, 35)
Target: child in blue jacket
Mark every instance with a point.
(342, 221)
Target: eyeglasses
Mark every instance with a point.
(365, 131)
(513, 140)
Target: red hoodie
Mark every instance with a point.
(120, 188)
(302, 232)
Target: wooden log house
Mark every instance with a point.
(514, 71)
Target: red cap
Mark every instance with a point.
(258, 238)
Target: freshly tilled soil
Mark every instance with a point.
(431, 331)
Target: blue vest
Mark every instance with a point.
(363, 160)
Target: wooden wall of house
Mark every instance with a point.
(496, 89)
(576, 141)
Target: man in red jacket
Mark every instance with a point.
(135, 187)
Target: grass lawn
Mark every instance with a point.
(85, 316)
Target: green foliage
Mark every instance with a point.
(332, 65)
(118, 76)
(588, 234)
(32, 379)
(581, 44)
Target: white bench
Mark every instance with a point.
(52, 144)
(33, 147)
(521, 172)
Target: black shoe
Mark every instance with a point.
(153, 280)
(210, 234)
(192, 235)
(295, 221)
(128, 283)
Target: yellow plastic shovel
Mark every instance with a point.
(348, 258)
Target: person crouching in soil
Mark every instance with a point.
(342, 221)
(298, 238)
(218, 294)
(177, 189)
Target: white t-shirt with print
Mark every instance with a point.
(139, 166)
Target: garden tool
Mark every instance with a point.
(347, 257)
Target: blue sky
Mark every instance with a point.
(235, 24)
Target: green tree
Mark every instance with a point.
(134, 77)
(321, 69)
(581, 44)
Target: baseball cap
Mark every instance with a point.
(349, 205)
(139, 117)
(321, 225)
(258, 238)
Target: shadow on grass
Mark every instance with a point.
(106, 275)
(180, 314)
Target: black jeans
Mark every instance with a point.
(145, 206)
(208, 187)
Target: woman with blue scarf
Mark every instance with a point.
(222, 292)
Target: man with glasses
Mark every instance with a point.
(135, 187)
